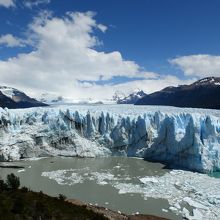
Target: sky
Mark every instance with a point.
(93, 48)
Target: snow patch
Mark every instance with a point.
(7, 91)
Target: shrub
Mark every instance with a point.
(41, 194)
(13, 181)
(3, 185)
(24, 189)
(62, 197)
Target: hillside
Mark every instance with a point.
(132, 98)
(13, 98)
(204, 93)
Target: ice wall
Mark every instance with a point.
(186, 140)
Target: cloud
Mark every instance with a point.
(34, 3)
(147, 85)
(7, 3)
(27, 3)
(10, 41)
(65, 55)
(198, 65)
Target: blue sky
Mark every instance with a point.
(168, 42)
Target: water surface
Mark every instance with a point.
(95, 180)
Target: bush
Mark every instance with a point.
(62, 197)
(24, 189)
(3, 185)
(13, 181)
(41, 194)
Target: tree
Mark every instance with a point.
(24, 189)
(62, 197)
(13, 181)
(3, 185)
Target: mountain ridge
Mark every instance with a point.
(204, 93)
(14, 98)
(132, 98)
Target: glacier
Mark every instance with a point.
(180, 137)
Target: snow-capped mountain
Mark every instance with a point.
(13, 98)
(54, 99)
(132, 98)
(118, 95)
(204, 93)
(50, 98)
(208, 81)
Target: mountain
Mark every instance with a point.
(13, 98)
(132, 98)
(118, 95)
(204, 93)
(54, 99)
(50, 98)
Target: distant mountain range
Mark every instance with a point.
(50, 99)
(13, 98)
(118, 96)
(204, 93)
(54, 99)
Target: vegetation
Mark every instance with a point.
(21, 204)
(13, 181)
(62, 197)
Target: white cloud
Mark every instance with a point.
(7, 3)
(27, 3)
(198, 65)
(147, 85)
(65, 54)
(33, 3)
(11, 41)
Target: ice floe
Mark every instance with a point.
(190, 194)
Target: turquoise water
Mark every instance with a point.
(215, 174)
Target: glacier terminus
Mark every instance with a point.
(180, 137)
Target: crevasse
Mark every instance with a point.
(186, 140)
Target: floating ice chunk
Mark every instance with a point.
(180, 188)
(194, 203)
(185, 213)
(197, 215)
(173, 209)
(61, 177)
(128, 188)
(102, 178)
(22, 170)
(177, 205)
(149, 179)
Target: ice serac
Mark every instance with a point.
(186, 140)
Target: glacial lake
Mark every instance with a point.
(102, 181)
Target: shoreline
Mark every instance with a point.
(113, 215)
